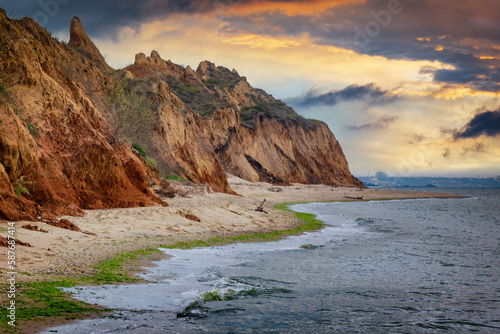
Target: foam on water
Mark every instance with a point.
(188, 274)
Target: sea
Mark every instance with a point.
(392, 266)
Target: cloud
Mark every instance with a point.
(381, 123)
(446, 153)
(466, 37)
(476, 148)
(106, 18)
(353, 92)
(486, 123)
(416, 139)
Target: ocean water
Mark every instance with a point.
(400, 266)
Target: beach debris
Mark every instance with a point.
(166, 190)
(5, 243)
(34, 228)
(193, 217)
(308, 246)
(64, 223)
(353, 197)
(275, 189)
(260, 208)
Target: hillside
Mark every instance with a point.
(76, 134)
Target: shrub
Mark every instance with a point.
(3, 89)
(140, 149)
(32, 129)
(189, 89)
(134, 112)
(20, 186)
(151, 162)
(213, 82)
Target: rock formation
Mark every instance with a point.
(54, 142)
(79, 40)
(68, 122)
(248, 130)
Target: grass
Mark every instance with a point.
(35, 52)
(310, 224)
(151, 162)
(39, 300)
(32, 129)
(114, 269)
(140, 149)
(176, 178)
(74, 48)
(189, 89)
(49, 294)
(144, 154)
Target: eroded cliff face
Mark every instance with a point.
(178, 138)
(54, 142)
(68, 121)
(253, 135)
(284, 149)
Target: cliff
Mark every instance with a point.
(253, 135)
(56, 153)
(68, 122)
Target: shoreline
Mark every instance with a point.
(223, 219)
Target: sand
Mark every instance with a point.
(114, 231)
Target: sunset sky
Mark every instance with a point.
(410, 88)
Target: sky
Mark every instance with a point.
(408, 87)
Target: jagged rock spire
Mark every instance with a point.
(79, 39)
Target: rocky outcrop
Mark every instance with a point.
(79, 39)
(54, 142)
(253, 135)
(286, 150)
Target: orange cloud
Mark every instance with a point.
(261, 41)
(289, 8)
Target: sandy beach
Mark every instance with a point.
(106, 233)
(196, 213)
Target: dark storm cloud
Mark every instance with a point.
(455, 33)
(103, 18)
(354, 92)
(460, 33)
(486, 123)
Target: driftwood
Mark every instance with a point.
(352, 197)
(260, 208)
